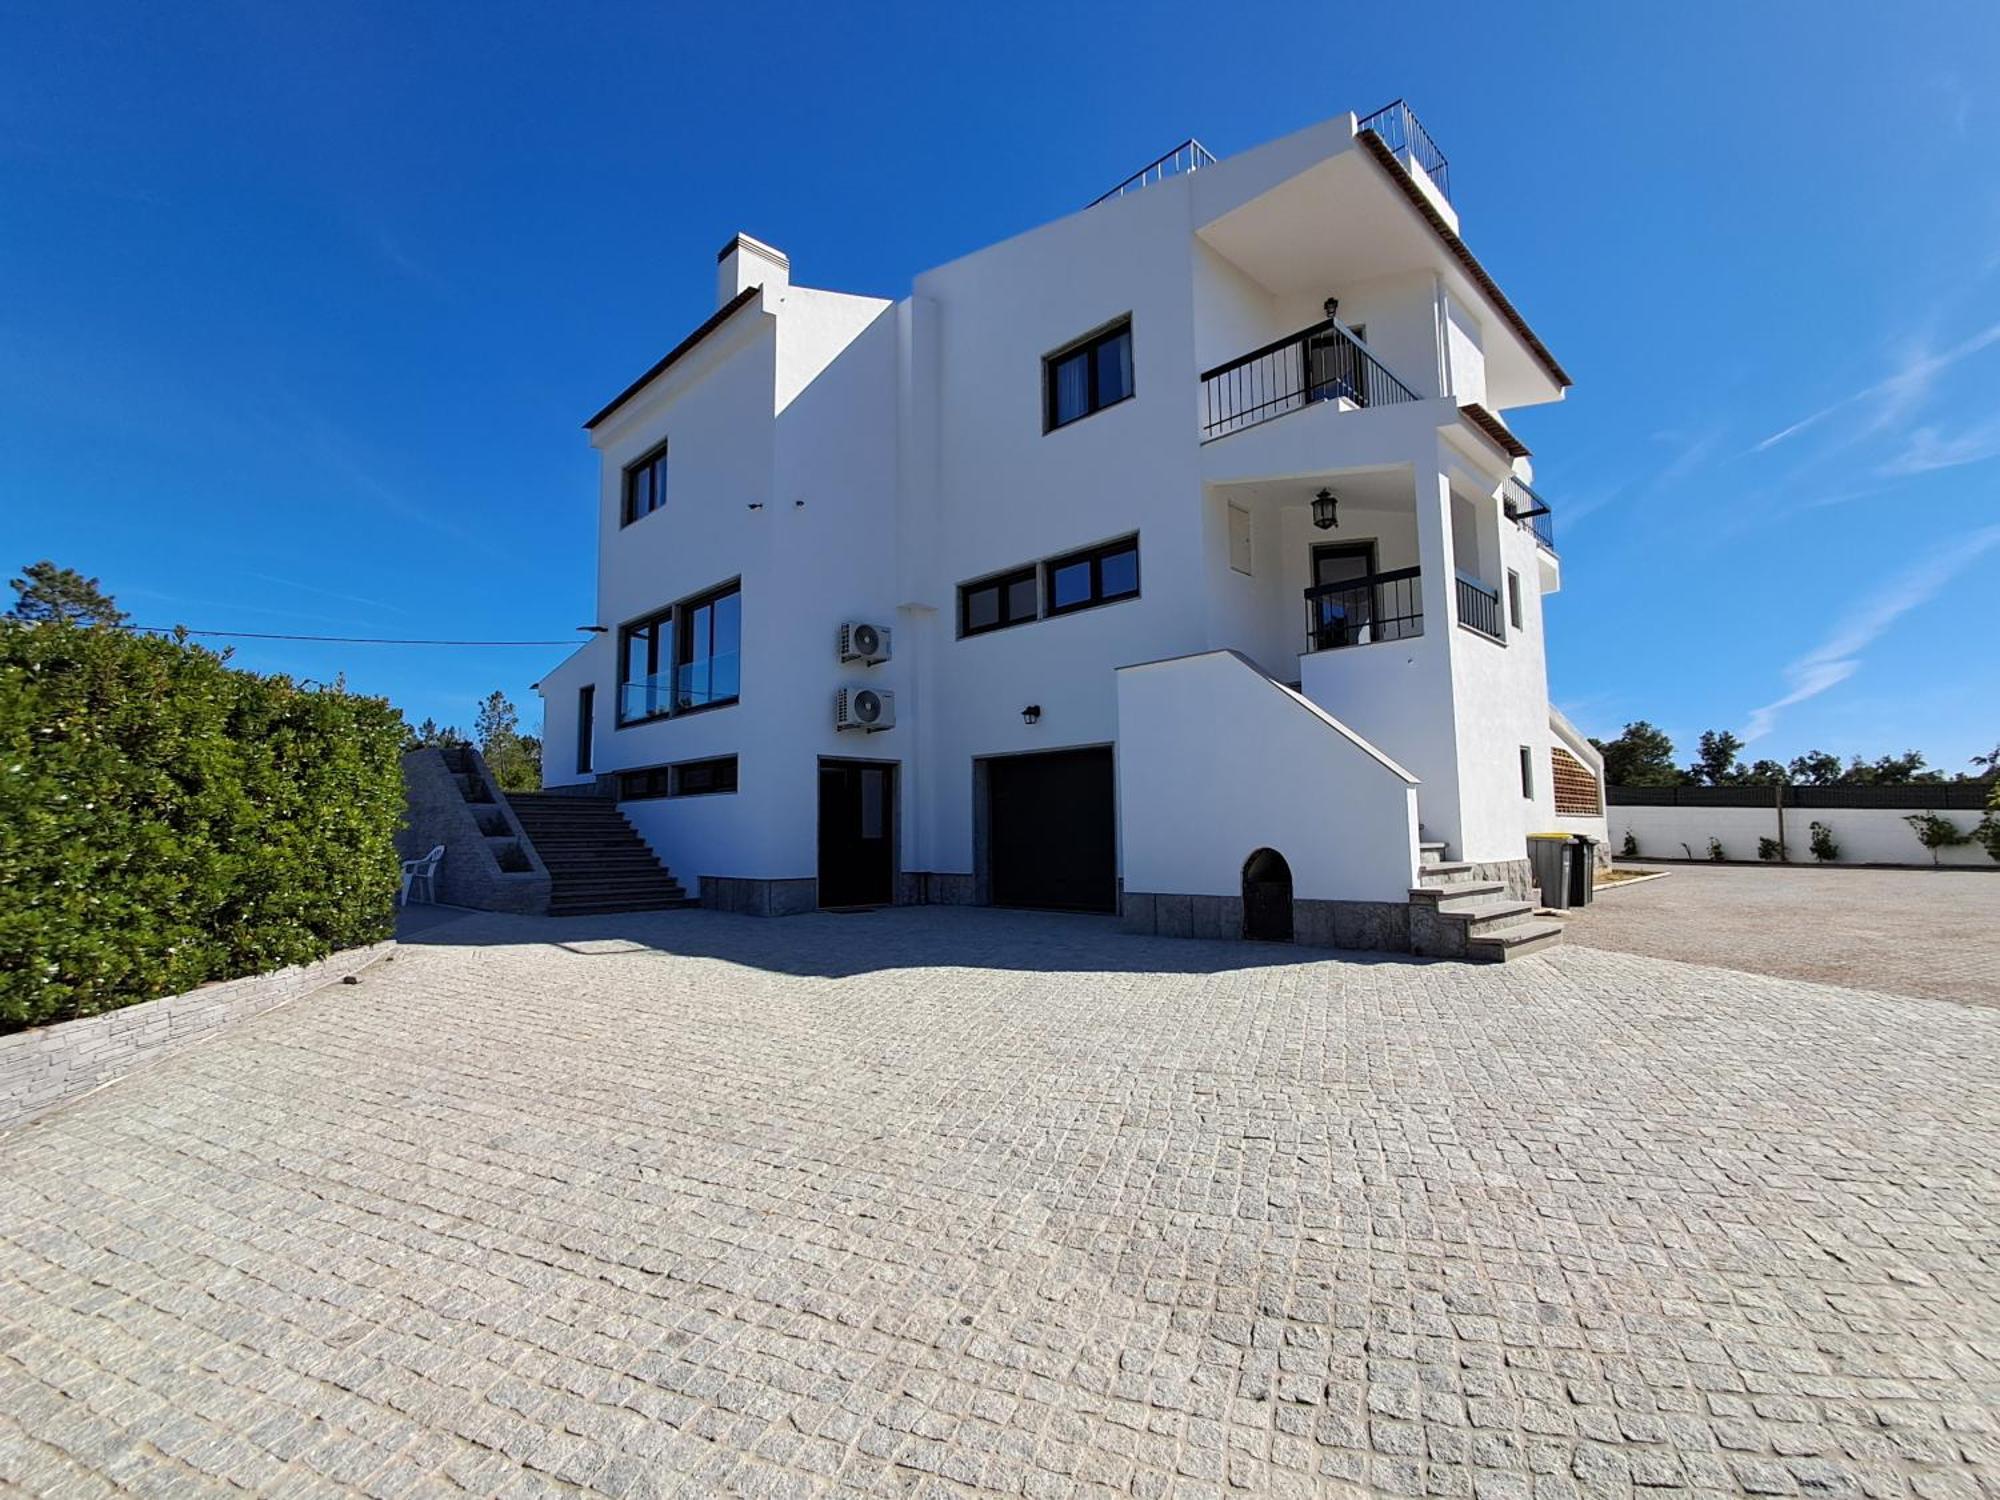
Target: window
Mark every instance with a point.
(1239, 540)
(645, 486)
(994, 603)
(1087, 376)
(1527, 773)
(645, 653)
(703, 778)
(1100, 575)
(586, 725)
(688, 778)
(707, 655)
(684, 658)
(1514, 598)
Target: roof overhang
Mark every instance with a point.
(685, 347)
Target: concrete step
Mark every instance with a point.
(1431, 853)
(1516, 940)
(1454, 890)
(1484, 914)
(1447, 873)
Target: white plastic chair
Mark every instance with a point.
(421, 872)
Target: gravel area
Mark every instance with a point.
(944, 1202)
(1934, 933)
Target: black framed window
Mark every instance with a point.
(997, 602)
(586, 725)
(1098, 575)
(687, 778)
(645, 486)
(1514, 598)
(1527, 773)
(645, 668)
(686, 657)
(708, 645)
(1087, 376)
(705, 778)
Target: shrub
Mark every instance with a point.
(1715, 849)
(1824, 849)
(166, 820)
(1770, 849)
(1935, 831)
(1630, 848)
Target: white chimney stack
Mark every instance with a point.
(744, 263)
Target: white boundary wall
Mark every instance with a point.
(1865, 835)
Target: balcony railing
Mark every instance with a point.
(1189, 156)
(1322, 363)
(1362, 611)
(1479, 608)
(1401, 131)
(1535, 515)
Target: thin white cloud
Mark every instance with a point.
(1838, 657)
(1896, 396)
(1929, 449)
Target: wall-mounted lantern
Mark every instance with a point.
(1326, 510)
(1032, 714)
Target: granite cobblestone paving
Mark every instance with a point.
(941, 1202)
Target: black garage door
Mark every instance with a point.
(1051, 837)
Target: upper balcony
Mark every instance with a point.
(1326, 362)
(1403, 133)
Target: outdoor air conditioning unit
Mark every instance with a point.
(864, 708)
(864, 643)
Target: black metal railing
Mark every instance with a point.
(1189, 156)
(1535, 515)
(1320, 363)
(1400, 129)
(1362, 611)
(1479, 608)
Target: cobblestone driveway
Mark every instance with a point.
(942, 1203)
(1934, 933)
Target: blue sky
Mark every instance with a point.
(301, 309)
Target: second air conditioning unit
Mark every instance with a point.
(864, 643)
(864, 708)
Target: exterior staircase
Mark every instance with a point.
(1454, 915)
(596, 860)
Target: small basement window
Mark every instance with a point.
(997, 602)
(1098, 575)
(687, 778)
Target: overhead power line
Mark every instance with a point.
(345, 640)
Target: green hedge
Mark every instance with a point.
(166, 819)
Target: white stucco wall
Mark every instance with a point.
(1864, 835)
(1212, 756)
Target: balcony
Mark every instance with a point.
(1322, 363)
(1363, 611)
(1535, 515)
(1479, 609)
(1404, 134)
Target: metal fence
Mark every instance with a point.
(1479, 608)
(1321, 363)
(1917, 796)
(1402, 131)
(1189, 156)
(1361, 611)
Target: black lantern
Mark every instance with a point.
(1326, 510)
(1032, 714)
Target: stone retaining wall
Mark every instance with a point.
(50, 1065)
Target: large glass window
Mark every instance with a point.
(645, 485)
(1099, 575)
(684, 658)
(993, 603)
(707, 657)
(1088, 376)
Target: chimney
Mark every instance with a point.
(745, 262)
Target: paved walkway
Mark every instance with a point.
(1934, 933)
(944, 1203)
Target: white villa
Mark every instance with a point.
(1173, 558)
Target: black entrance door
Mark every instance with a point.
(1052, 835)
(1267, 897)
(857, 832)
